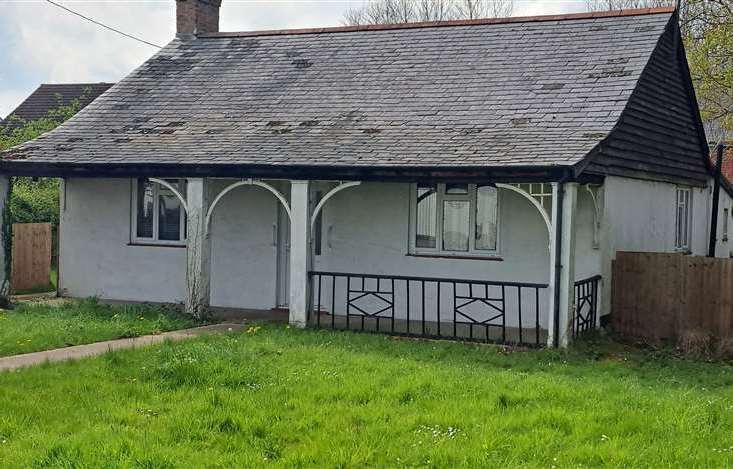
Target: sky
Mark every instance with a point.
(41, 43)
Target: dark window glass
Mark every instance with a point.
(426, 216)
(169, 215)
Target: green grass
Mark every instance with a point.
(32, 327)
(288, 398)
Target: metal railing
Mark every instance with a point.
(586, 305)
(459, 309)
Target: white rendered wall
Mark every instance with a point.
(97, 258)
(639, 215)
(243, 251)
(587, 256)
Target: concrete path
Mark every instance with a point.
(98, 348)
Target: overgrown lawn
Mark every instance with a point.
(288, 397)
(33, 327)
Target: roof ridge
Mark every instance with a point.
(78, 84)
(439, 24)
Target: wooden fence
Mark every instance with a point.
(660, 296)
(31, 256)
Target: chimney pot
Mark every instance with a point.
(197, 16)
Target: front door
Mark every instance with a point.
(282, 234)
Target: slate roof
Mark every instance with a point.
(50, 96)
(540, 91)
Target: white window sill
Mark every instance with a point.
(440, 255)
(153, 244)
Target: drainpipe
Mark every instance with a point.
(716, 195)
(558, 261)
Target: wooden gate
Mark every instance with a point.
(31, 256)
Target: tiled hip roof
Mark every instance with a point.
(480, 95)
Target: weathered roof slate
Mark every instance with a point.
(50, 96)
(538, 93)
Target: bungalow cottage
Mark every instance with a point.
(457, 179)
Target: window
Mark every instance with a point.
(158, 215)
(455, 219)
(683, 219)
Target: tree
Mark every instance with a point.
(707, 30)
(407, 11)
(601, 5)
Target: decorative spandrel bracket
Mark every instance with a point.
(538, 194)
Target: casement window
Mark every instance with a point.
(683, 219)
(157, 214)
(455, 219)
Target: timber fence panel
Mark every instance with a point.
(31, 256)
(660, 296)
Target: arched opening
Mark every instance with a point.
(247, 182)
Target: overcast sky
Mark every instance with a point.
(41, 43)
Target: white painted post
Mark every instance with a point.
(198, 248)
(4, 281)
(299, 252)
(607, 255)
(553, 267)
(567, 261)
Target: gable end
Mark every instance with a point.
(659, 135)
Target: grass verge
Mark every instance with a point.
(33, 327)
(290, 397)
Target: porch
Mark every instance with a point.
(345, 255)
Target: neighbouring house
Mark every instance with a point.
(468, 179)
(50, 96)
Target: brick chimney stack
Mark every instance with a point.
(197, 16)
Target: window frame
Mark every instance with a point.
(726, 214)
(134, 238)
(441, 197)
(679, 245)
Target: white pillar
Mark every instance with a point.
(567, 262)
(565, 228)
(198, 248)
(553, 267)
(6, 231)
(299, 252)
